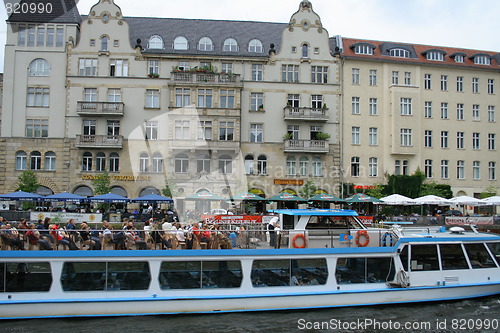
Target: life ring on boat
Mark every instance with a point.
(385, 237)
(363, 233)
(302, 245)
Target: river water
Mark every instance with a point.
(477, 315)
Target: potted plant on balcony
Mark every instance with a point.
(322, 136)
(176, 69)
(288, 136)
(154, 75)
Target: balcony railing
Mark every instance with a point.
(99, 141)
(304, 113)
(205, 78)
(100, 108)
(307, 146)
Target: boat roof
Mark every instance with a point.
(316, 212)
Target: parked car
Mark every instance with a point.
(452, 213)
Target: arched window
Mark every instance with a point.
(291, 169)
(114, 162)
(39, 67)
(203, 163)
(205, 44)
(155, 42)
(304, 166)
(50, 160)
(87, 161)
(21, 157)
(181, 163)
(305, 50)
(118, 190)
(317, 167)
(225, 164)
(262, 165)
(399, 53)
(149, 190)
(35, 160)
(144, 162)
(180, 43)
(249, 165)
(104, 43)
(255, 45)
(84, 191)
(100, 161)
(157, 163)
(230, 45)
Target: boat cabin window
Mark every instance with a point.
(109, 276)
(289, 272)
(404, 257)
(424, 258)
(364, 270)
(25, 277)
(495, 250)
(452, 257)
(200, 274)
(479, 256)
(332, 222)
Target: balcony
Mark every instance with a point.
(99, 141)
(205, 78)
(100, 108)
(306, 146)
(302, 113)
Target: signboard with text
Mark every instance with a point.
(65, 217)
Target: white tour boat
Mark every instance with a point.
(328, 259)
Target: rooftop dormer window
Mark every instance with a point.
(434, 56)
(180, 43)
(255, 45)
(230, 45)
(205, 44)
(363, 49)
(399, 53)
(459, 58)
(155, 42)
(482, 60)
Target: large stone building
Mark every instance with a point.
(229, 106)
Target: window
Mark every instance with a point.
(475, 141)
(184, 65)
(444, 110)
(205, 98)
(87, 67)
(31, 35)
(428, 109)
(444, 139)
(226, 99)
(406, 171)
(491, 86)
(479, 256)
(397, 167)
(406, 137)
(460, 111)
(317, 101)
(227, 67)
(372, 78)
(405, 106)
(249, 165)
(257, 72)
(21, 36)
(18, 276)
(395, 77)
(444, 82)
(491, 113)
(434, 56)
(157, 163)
(428, 139)
(144, 162)
(100, 162)
(255, 45)
(181, 163)
(475, 112)
(363, 49)
(21, 159)
(153, 67)
(491, 141)
(152, 99)
(225, 164)
(114, 96)
(204, 130)
(205, 44)
(460, 140)
(182, 97)
(304, 166)
(116, 43)
(355, 106)
(293, 130)
(355, 76)
(317, 167)
(59, 36)
(428, 168)
(39, 67)
(452, 257)
(373, 136)
(114, 162)
(289, 73)
(40, 36)
(151, 130)
(372, 107)
(293, 100)
(182, 129)
(482, 60)
(104, 43)
(256, 101)
(444, 169)
(427, 81)
(399, 53)
(407, 78)
(319, 74)
(226, 131)
(256, 132)
(180, 43)
(476, 170)
(459, 58)
(230, 45)
(262, 165)
(87, 161)
(355, 167)
(355, 135)
(460, 169)
(37, 128)
(203, 163)
(118, 67)
(38, 97)
(305, 51)
(475, 85)
(492, 171)
(89, 126)
(290, 166)
(460, 83)
(373, 167)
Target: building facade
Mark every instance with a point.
(231, 106)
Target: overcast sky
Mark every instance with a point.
(456, 23)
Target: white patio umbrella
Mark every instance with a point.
(466, 200)
(397, 199)
(432, 200)
(495, 200)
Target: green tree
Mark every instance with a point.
(308, 190)
(440, 190)
(27, 182)
(169, 190)
(407, 185)
(489, 192)
(376, 192)
(102, 183)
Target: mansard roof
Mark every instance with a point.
(62, 11)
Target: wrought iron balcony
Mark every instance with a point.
(306, 146)
(99, 141)
(304, 113)
(100, 108)
(205, 78)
